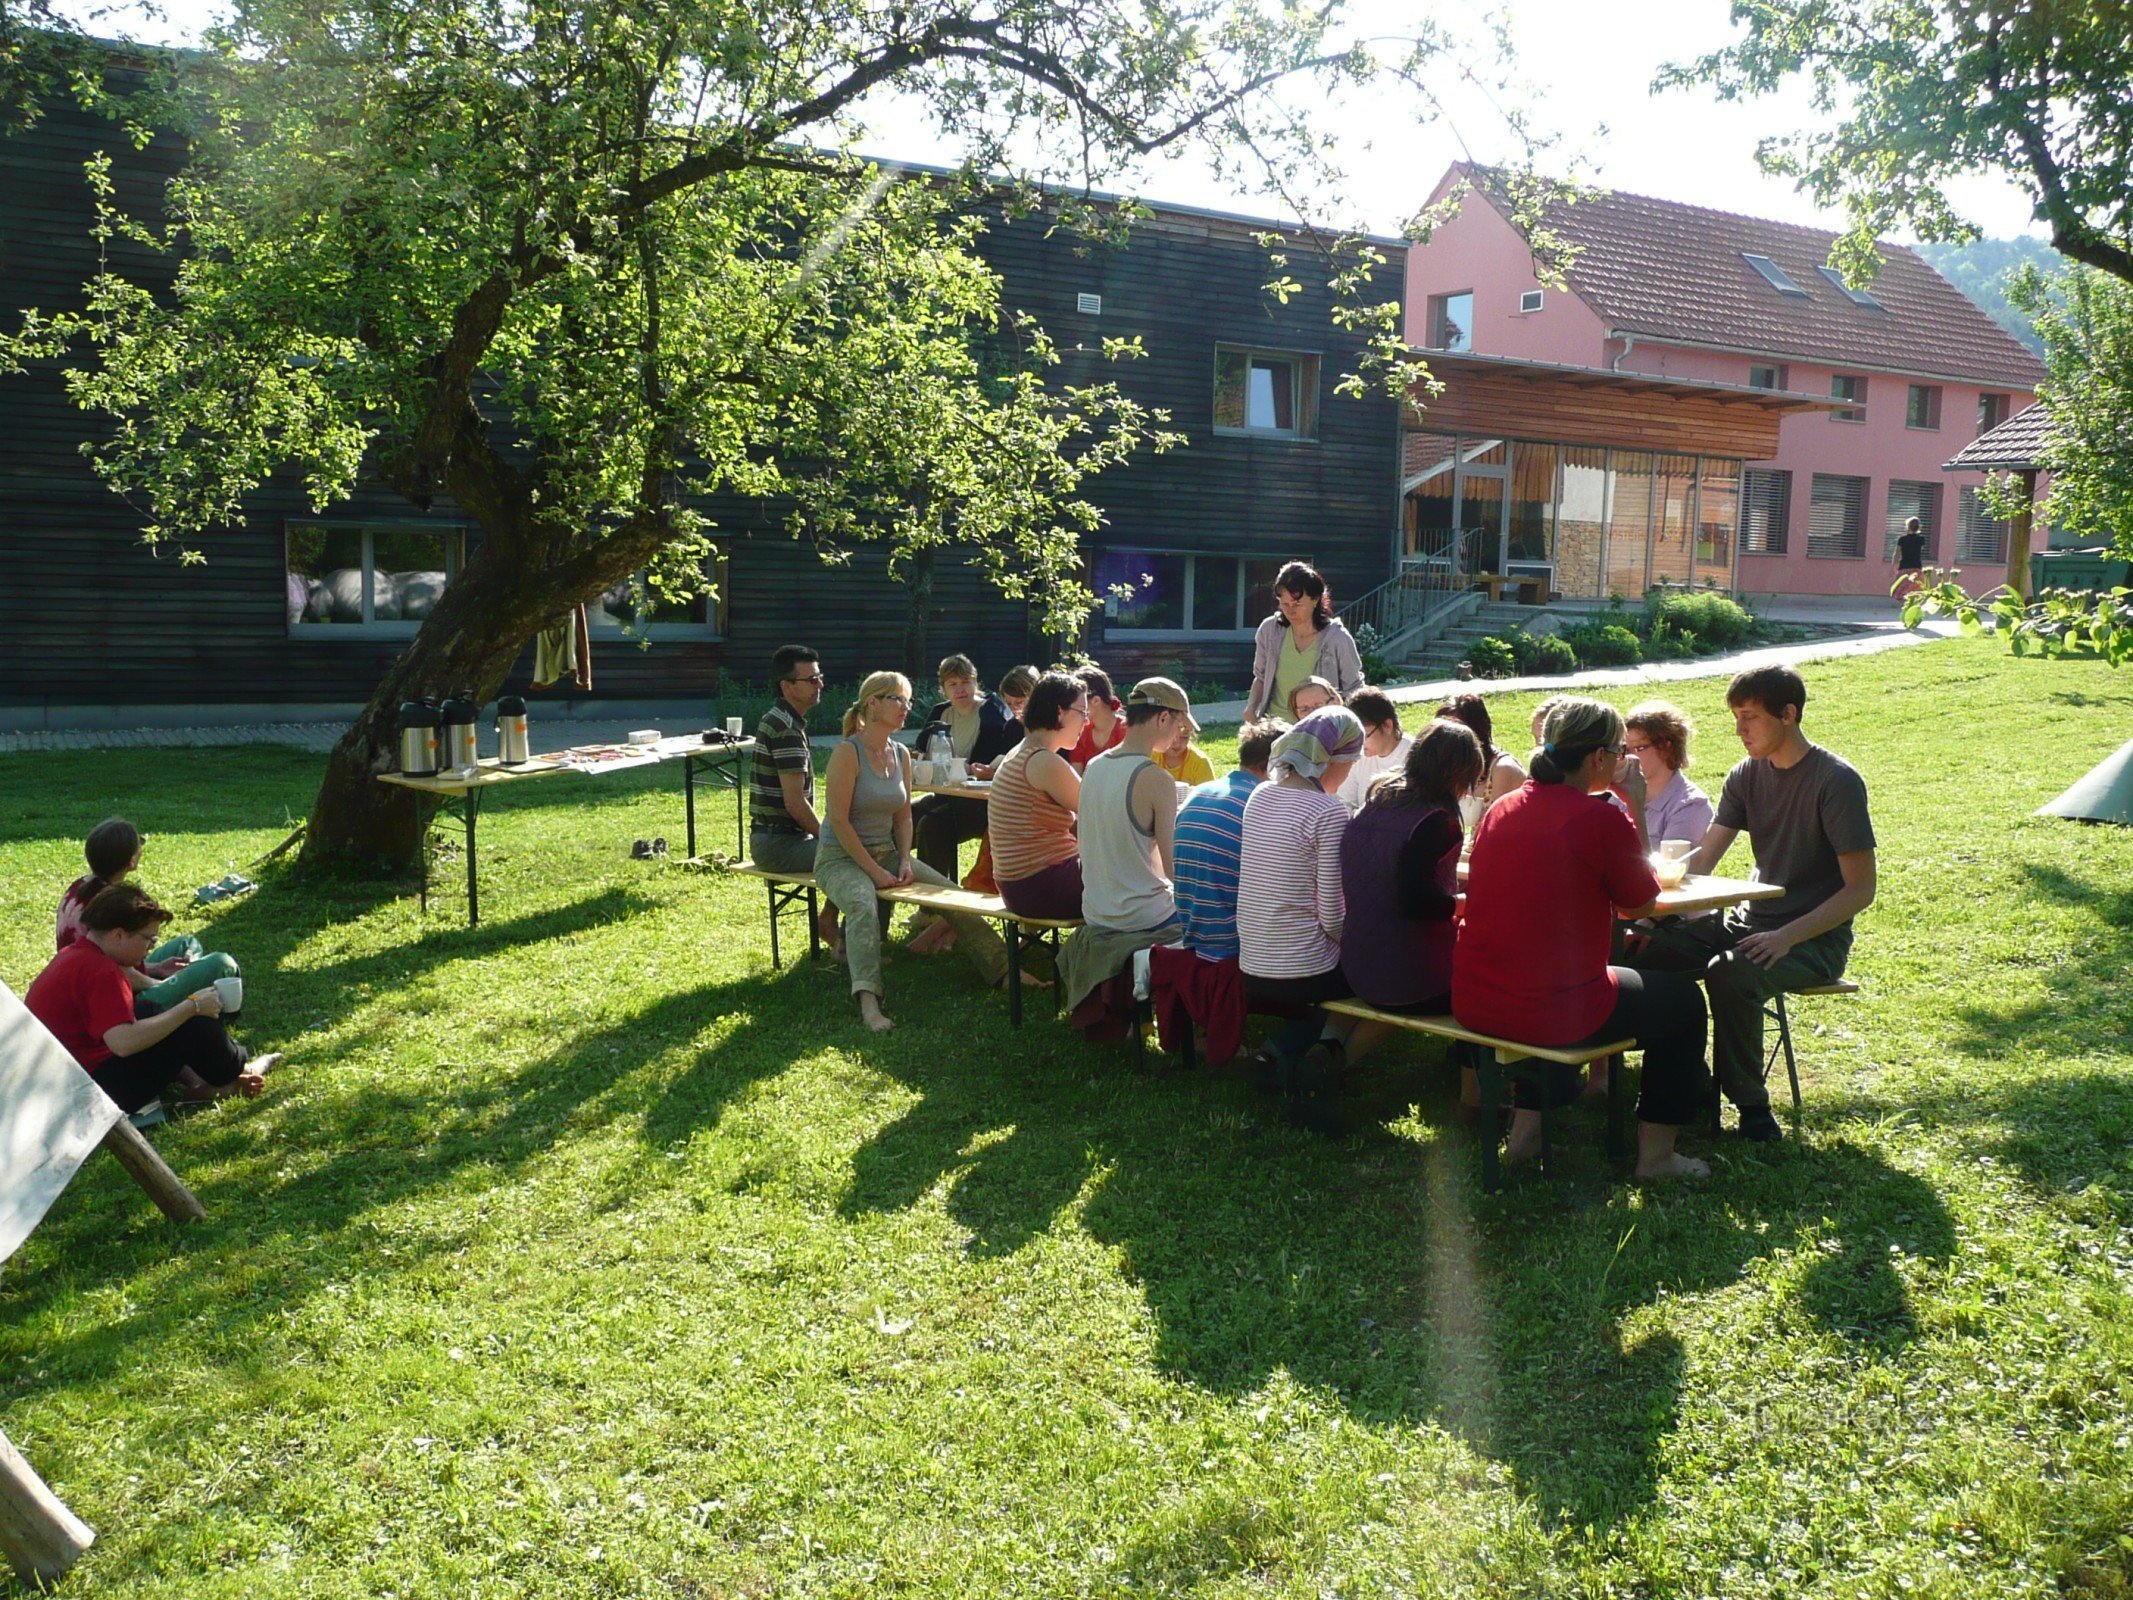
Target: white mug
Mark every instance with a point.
(1676, 849)
(733, 727)
(232, 992)
(958, 770)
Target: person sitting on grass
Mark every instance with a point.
(1035, 795)
(1210, 845)
(1805, 812)
(866, 843)
(1549, 873)
(134, 1050)
(175, 968)
(1290, 908)
(1658, 740)
(1183, 758)
(1385, 746)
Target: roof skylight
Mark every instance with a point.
(1773, 274)
(1858, 297)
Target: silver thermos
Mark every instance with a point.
(513, 745)
(418, 739)
(462, 745)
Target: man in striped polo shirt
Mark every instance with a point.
(782, 824)
(1210, 838)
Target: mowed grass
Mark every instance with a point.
(583, 1255)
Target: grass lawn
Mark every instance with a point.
(582, 1255)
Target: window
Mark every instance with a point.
(634, 608)
(1765, 512)
(1766, 375)
(383, 577)
(1175, 592)
(1922, 409)
(1858, 297)
(1979, 536)
(1991, 411)
(1836, 518)
(1848, 386)
(1271, 392)
(1908, 500)
(1773, 274)
(1451, 321)
(1529, 301)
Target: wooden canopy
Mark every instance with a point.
(1497, 397)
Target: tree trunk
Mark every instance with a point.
(2019, 533)
(918, 620)
(467, 646)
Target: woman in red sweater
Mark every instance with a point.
(1552, 868)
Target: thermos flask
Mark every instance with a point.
(418, 739)
(462, 746)
(513, 746)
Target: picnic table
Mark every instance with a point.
(1531, 590)
(968, 789)
(1698, 892)
(461, 795)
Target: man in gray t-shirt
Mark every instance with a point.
(1805, 813)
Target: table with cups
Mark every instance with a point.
(458, 792)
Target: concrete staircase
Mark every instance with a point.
(1439, 655)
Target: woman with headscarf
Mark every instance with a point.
(1289, 903)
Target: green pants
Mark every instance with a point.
(201, 970)
(1737, 988)
(866, 919)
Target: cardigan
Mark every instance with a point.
(1339, 662)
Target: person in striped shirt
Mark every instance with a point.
(1290, 906)
(1210, 837)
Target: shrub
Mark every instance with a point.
(1666, 642)
(1493, 657)
(1369, 646)
(1550, 654)
(1604, 644)
(1715, 619)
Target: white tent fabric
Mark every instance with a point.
(52, 1115)
(2104, 794)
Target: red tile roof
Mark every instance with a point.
(1676, 272)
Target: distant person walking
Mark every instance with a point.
(1910, 559)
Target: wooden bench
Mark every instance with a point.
(1018, 932)
(1774, 1010)
(786, 889)
(1514, 1057)
(1531, 590)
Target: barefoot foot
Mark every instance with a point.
(1673, 1166)
(872, 1015)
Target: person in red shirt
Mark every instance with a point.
(1106, 727)
(84, 998)
(1552, 868)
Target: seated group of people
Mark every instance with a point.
(143, 1015)
(1326, 866)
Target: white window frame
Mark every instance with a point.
(1776, 369)
(455, 545)
(602, 626)
(1530, 301)
(1214, 582)
(1303, 394)
(1439, 305)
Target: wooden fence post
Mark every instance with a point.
(139, 1157)
(39, 1535)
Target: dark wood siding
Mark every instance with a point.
(89, 615)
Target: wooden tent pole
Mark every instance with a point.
(40, 1537)
(149, 1170)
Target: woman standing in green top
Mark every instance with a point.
(1303, 639)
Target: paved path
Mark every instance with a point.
(321, 735)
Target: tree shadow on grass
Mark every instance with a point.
(1370, 1268)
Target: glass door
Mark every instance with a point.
(1481, 520)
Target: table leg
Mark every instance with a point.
(740, 818)
(1615, 1145)
(688, 789)
(1014, 973)
(1491, 1076)
(473, 814)
(428, 825)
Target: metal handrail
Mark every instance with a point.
(1422, 586)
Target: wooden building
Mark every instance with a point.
(297, 609)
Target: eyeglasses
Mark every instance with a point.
(1635, 749)
(817, 680)
(900, 699)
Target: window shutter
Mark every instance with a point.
(1836, 517)
(1765, 508)
(1908, 500)
(1979, 536)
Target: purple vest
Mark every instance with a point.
(1389, 958)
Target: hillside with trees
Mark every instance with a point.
(1981, 269)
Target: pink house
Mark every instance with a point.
(1886, 384)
